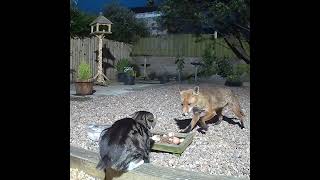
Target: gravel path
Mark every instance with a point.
(223, 150)
(76, 174)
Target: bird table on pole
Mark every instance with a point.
(145, 65)
(99, 27)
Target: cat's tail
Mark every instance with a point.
(104, 163)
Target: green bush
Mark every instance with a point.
(243, 68)
(233, 78)
(224, 67)
(209, 60)
(84, 71)
(122, 63)
(190, 80)
(238, 70)
(180, 63)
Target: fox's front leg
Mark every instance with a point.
(205, 118)
(193, 122)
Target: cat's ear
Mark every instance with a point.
(145, 119)
(134, 115)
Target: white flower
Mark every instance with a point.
(128, 69)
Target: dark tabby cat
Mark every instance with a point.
(126, 144)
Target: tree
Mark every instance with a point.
(125, 28)
(79, 21)
(231, 18)
(150, 3)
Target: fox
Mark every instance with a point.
(207, 103)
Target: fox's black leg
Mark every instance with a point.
(194, 121)
(204, 125)
(220, 116)
(186, 130)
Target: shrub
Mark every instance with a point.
(233, 78)
(209, 60)
(224, 67)
(122, 63)
(243, 68)
(84, 71)
(180, 63)
(238, 70)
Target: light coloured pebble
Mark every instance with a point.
(170, 134)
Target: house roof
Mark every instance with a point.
(144, 9)
(101, 20)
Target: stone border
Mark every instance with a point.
(87, 160)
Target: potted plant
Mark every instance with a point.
(84, 83)
(120, 66)
(163, 78)
(152, 75)
(130, 76)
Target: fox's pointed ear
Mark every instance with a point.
(196, 90)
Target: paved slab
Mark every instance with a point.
(114, 89)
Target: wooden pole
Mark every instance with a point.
(195, 76)
(145, 67)
(100, 76)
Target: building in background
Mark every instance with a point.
(150, 15)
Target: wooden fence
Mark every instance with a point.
(186, 45)
(84, 50)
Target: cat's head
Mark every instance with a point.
(145, 117)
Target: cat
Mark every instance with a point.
(127, 143)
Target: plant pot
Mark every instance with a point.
(152, 76)
(163, 79)
(84, 87)
(129, 80)
(122, 76)
(233, 83)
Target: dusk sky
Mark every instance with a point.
(95, 6)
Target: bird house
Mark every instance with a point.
(101, 25)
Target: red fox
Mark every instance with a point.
(207, 103)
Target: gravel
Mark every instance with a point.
(76, 174)
(223, 150)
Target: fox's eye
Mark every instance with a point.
(181, 104)
(189, 104)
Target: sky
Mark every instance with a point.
(95, 6)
